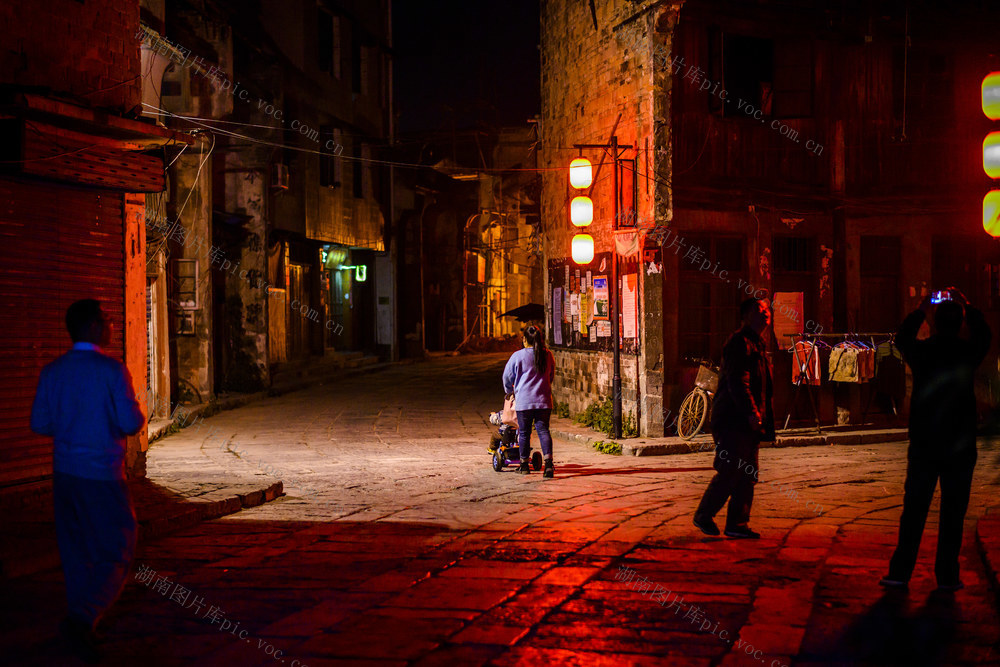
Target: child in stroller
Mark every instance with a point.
(503, 446)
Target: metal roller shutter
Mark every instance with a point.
(57, 244)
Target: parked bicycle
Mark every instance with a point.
(697, 405)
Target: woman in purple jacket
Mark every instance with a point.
(528, 375)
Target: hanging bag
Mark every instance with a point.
(509, 416)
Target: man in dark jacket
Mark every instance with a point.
(742, 416)
(942, 433)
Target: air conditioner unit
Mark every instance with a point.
(279, 176)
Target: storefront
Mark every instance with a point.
(71, 231)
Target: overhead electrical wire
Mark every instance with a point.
(388, 163)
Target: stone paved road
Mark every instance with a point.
(398, 544)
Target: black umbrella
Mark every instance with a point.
(527, 313)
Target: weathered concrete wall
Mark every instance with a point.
(194, 352)
(595, 69)
(246, 193)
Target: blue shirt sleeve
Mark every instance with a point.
(127, 411)
(41, 415)
(510, 375)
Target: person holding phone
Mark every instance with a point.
(942, 430)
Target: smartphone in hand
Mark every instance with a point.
(940, 295)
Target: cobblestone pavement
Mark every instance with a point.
(398, 544)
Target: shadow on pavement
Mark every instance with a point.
(889, 634)
(575, 470)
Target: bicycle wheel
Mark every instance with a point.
(693, 412)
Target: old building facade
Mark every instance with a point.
(76, 162)
(787, 168)
(271, 235)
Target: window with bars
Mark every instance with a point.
(358, 167)
(331, 165)
(793, 254)
(187, 284)
(328, 42)
(772, 75)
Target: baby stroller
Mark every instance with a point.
(504, 448)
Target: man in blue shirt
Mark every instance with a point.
(85, 401)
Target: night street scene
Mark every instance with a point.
(541, 332)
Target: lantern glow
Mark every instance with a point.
(991, 155)
(991, 96)
(581, 211)
(583, 248)
(580, 173)
(991, 213)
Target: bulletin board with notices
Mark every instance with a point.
(579, 304)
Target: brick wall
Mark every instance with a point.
(85, 49)
(590, 75)
(583, 377)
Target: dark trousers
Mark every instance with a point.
(96, 531)
(540, 418)
(922, 475)
(736, 473)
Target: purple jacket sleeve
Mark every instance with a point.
(509, 375)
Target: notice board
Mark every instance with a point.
(579, 306)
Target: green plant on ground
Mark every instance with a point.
(562, 409)
(609, 447)
(600, 417)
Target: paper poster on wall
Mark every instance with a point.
(593, 335)
(787, 314)
(603, 328)
(601, 302)
(557, 317)
(573, 281)
(628, 305)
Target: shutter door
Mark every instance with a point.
(58, 244)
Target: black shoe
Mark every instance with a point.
(889, 582)
(524, 468)
(549, 469)
(742, 532)
(706, 525)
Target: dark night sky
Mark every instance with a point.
(465, 62)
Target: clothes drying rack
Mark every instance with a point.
(804, 365)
